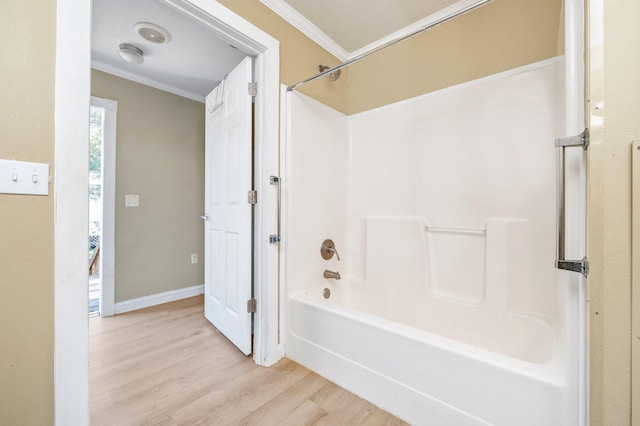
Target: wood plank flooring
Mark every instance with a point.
(167, 365)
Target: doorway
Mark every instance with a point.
(73, 79)
(102, 178)
(96, 120)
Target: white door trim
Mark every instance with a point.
(108, 232)
(73, 92)
(71, 212)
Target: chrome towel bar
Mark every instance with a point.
(581, 266)
(275, 238)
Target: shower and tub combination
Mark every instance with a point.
(437, 297)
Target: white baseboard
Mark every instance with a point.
(158, 299)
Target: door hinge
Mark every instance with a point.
(253, 89)
(252, 197)
(251, 306)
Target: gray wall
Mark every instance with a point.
(160, 157)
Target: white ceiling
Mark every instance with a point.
(190, 65)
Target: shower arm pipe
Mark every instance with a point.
(391, 43)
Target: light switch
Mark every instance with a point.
(131, 201)
(22, 177)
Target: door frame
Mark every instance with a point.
(107, 233)
(72, 101)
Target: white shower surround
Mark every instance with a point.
(464, 325)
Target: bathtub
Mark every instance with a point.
(421, 376)
(450, 311)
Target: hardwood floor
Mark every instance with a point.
(168, 365)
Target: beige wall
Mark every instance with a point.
(614, 91)
(502, 35)
(160, 157)
(27, 60)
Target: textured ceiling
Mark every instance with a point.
(354, 24)
(192, 63)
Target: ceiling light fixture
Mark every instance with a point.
(152, 32)
(131, 53)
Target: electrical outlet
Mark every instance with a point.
(194, 259)
(131, 201)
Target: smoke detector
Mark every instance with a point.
(152, 32)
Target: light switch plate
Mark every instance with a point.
(25, 178)
(131, 201)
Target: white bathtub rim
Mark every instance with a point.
(386, 378)
(544, 372)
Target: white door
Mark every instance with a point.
(227, 253)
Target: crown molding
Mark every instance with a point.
(293, 17)
(119, 72)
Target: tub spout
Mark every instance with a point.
(331, 274)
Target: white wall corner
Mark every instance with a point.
(307, 28)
